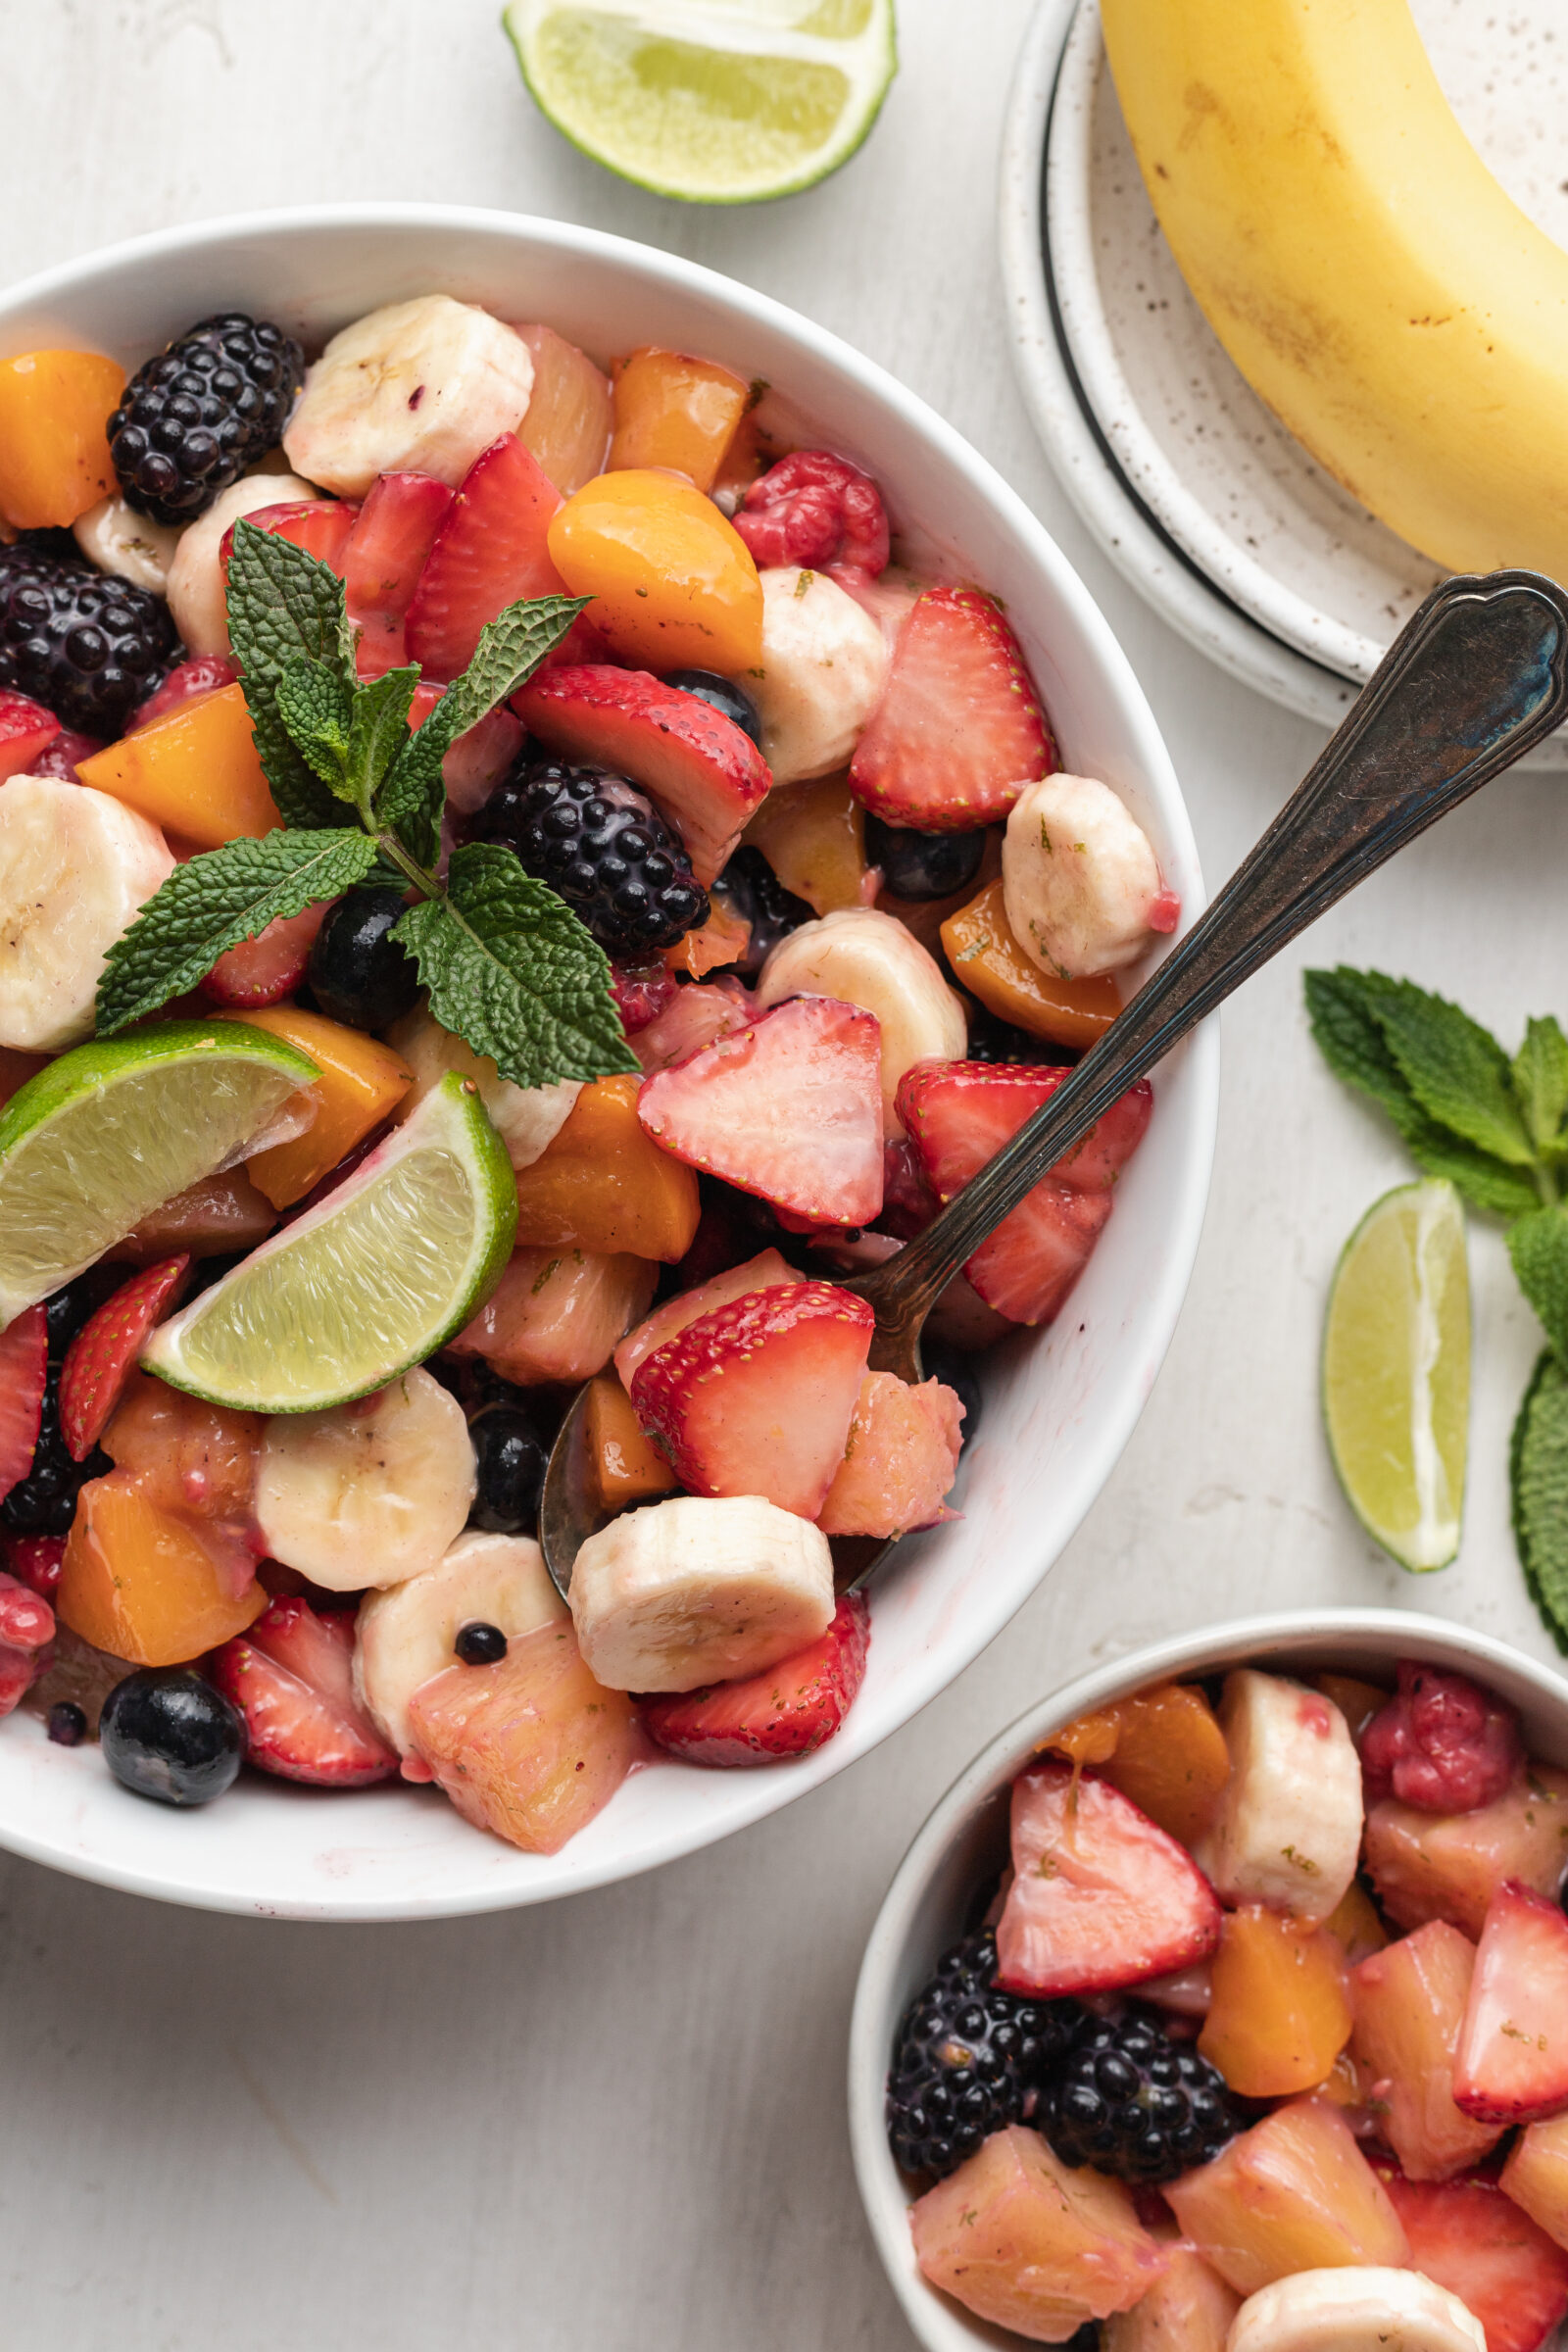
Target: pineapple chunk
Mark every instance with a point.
(1409, 2005)
(1535, 2175)
(1449, 1865)
(1188, 2309)
(1295, 2193)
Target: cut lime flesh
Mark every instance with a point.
(712, 101)
(110, 1132)
(384, 1270)
(1397, 1373)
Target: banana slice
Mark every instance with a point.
(865, 958)
(405, 1635)
(528, 1118)
(1356, 2311)
(117, 539)
(371, 1492)
(195, 584)
(824, 665)
(1079, 878)
(698, 1590)
(420, 387)
(74, 867)
(1287, 1832)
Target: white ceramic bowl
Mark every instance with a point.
(964, 1846)
(1059, 1409)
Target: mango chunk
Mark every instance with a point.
(1410, 2003)
(1163, 1748)
(605, 1186)
(1294, 2193)
(988, 962)
(196, 772)
(1280, 2014)
(675, 412)
(147, 1583)
(362, 1082)
(55, 406)
(627, 1466)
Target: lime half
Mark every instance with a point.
(717, 101)
(382, 1271)
(1397, 1372)
(110, 1132)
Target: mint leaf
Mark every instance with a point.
(1455, 1069)
(1486, 1183)
(380, 729)
(1540, 1075)
(1538, 1244)
(284, 605)
(1538, 1478)
(214, 902)
(317, 710)
(513, 972)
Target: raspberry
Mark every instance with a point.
(196, 417)
(602, 845)
(818, 510)
(969, 2060)
(86, 645)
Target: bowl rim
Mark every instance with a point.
(1099, 1448)
(1267, 1639)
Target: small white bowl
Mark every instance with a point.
(1060, 1409)
(963, 1847)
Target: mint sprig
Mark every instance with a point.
(509, 968)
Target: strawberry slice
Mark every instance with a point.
(386, 552)
(27, 1639)
(320, 525)
(1100, 1898)
(766, 1271)
(901, 1459)
(757, 1397)
(959, 1114)
(793, 1708)
(490, 549)
(103, 1354)
(705, 773)
(266, 969)
(960, 730)
(479, 760)
(24, 1375)
(789, 1107)
(1511, 2065)
(27, 729)
(35, 1561)
(1469, 2236)
(292, 1675)
(187, 682)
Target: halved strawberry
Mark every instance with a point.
(1100, 1898)
(479, 759)
(1468, 2236)
(292, 1675)
(959, 1114)
(23, 1374)
(103, 1354)
(186, 682)
(269, 968)
(27, 729)
(788, 1711)
(1511, 2065)
(695, 1016)
(757, 1397)
(320, 525)
(490, 549)
(26, 1636)
(705, 773)
(766, 1271)
(35, 1561)
(900, 1457)
(386, 552)
(960, 730)
(789, 1107)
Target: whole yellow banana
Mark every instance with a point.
(1364, 270)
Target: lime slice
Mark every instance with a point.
(371, 1281)
(717, 101)
(110, 1132)
(1397, 1372)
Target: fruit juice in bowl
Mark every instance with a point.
(1219, 2004)
(713, 819)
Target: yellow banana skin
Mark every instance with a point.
(1358, 261)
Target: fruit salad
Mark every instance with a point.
(1261, 2044)
(507, 884)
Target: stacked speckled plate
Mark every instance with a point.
(1191, 486)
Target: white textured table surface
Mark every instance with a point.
(619, 2122)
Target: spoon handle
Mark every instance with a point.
(1478, 674)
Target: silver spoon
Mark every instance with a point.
(1478, 674)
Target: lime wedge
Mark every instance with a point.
(369, 1282)
(1397, 1372)
(110, 1132)
(715, 101)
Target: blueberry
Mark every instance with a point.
(480, 1644)
(510, 1463)
(168, 1735)
(357, 973)
(724, 694)
(922, 866)
(67, 1724)
(956, 1372)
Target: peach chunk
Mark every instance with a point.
(814, 837)
(1535, 2175)
(1409, 2004)
(900, 1457)
(1023, 2240)
(627, 1467)
(556, 1314)
(988, 962)
(196, 771)
(1279, 2015)
(359, 1082)
(532, 1748)
(1188, 2309)
(154, 1585)
(605, 1185)
(1164, 1750)
(187, 1455)
(1449, 1865)
(1294, 2193)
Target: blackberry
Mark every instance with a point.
(760, 899)
(602, 844)
(992, 1039)
(196, 417)
(86, 645)
(968, 2060)
(1131, 2101)
(44, 1503)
